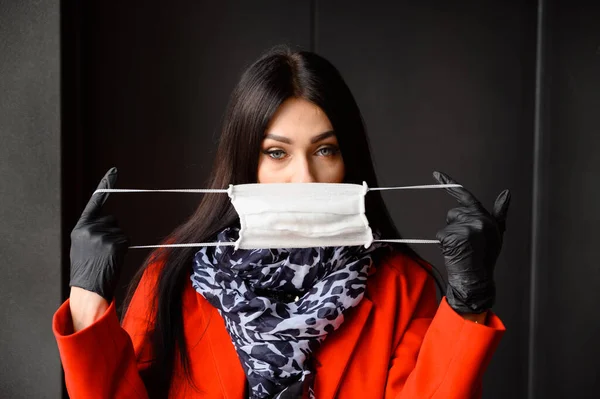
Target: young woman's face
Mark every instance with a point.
(300, 147)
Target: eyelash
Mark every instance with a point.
(334, 151)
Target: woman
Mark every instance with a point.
(291, 119)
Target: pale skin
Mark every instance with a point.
(86, 307)
(300, 146)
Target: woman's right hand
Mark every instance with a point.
(98, 248)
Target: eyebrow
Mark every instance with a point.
(315, 139)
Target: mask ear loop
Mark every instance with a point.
(434, 272)
(230, 192)
(179, 190)
(421, 187)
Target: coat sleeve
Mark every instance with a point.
(105, 359)
(441, 355)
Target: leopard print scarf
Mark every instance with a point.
(279, 305)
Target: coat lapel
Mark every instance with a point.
(337, 349)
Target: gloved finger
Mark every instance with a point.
(461, 194)
(102, 225)
(117, 238)
(97, 200)
(453, 235)
(501, 206)
(112, 232)
(461, 215)
(107, 221)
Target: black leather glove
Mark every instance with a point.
(471, 243)
(98, 245)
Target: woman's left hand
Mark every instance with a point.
(471, 243)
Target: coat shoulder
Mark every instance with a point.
(399, 276)
(398, 265)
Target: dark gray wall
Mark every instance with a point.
(449, 87)
(30, 244)
(565, 343)
(441, 86)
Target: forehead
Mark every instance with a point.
(298, 117)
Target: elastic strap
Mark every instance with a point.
(215, 244)
(178, 190)
(217, 190)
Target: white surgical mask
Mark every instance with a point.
(297, 215)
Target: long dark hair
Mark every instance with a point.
(280, 74)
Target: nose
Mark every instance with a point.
(303, 172)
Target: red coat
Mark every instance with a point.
(397, 343)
